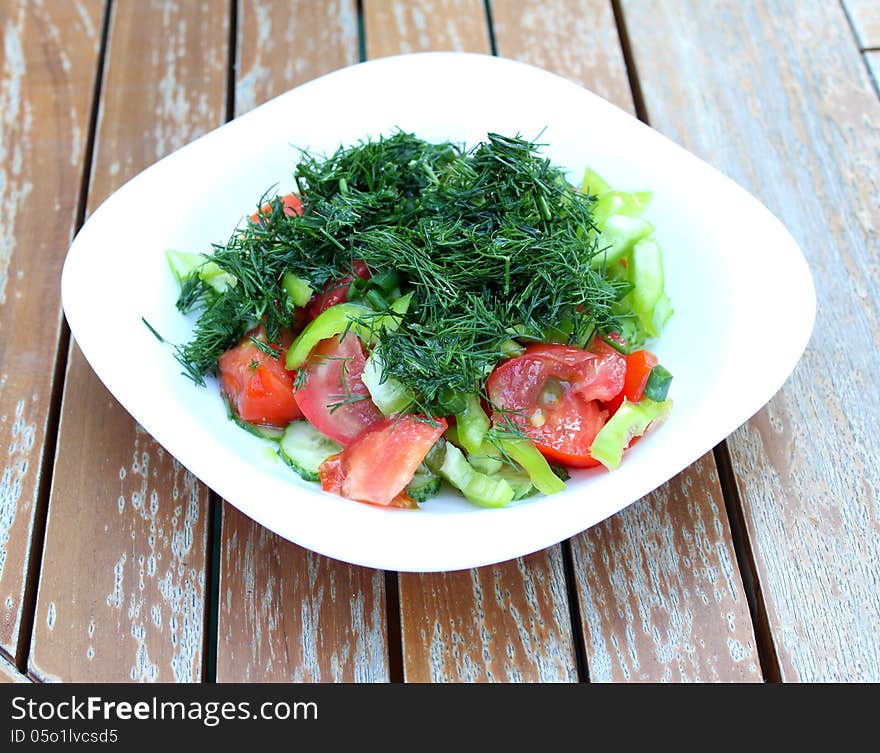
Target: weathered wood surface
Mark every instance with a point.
(282, 45)
(659, 592)
(865, 18)
(799, 126)
(123, 578)
(290, 615)
(287, 614)
(503, 623)
(122, 586)
(8, 673)
(48, 63)
(394, 28)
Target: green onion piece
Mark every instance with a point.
(657, 386)
(526, 455)
(376, 299)
(630, 420)
(328, 323)
(298, 289)
(473, 424)
(386, 280)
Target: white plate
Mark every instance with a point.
(743, 296)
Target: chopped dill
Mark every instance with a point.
(492, 242)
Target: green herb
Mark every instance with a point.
(493, 243)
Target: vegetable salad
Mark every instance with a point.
(418, 313)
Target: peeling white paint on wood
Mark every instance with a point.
(798, 125)
(47, 64)
(658, 587)
(502, 623)
(323, 34)
(15, 467)
(16, 120)
(288, 615)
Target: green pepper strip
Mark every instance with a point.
(338, 319)
(526, 455)
(298, 289)
(630, 420)
(473, 424)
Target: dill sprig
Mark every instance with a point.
(493, 243)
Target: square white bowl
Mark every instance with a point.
(743, 296)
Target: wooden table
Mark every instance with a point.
(761, 562)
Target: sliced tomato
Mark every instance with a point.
(638, 369)
(333, 397)
(258, 386)
(336, 291)
(382, 460)
(553, 394)
(291, 203)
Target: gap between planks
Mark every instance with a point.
(742, 547)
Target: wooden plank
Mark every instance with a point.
(47, 69)
(8, 673)
(865, 18)
(659, 592)
(503, 623)
(290, 615)
(286, 614)
(282, 45)
(576, 39)
(797, 124)
(394, 28)
(123, 599)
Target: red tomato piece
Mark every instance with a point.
(336, 291)
(553, 393)
(638, 369)
(258, 386)
(381, 461)
(334, 398)
(291, 203)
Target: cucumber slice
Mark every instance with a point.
(483, 490)
(304, 448)
(520, 482)
(424, 484)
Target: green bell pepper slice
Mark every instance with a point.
(630, 420)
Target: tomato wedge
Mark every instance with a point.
(382, 460)
(553, 394)
(336, 291)
(638, 369)
(333, 397)
(291, 203)
(258, 386)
